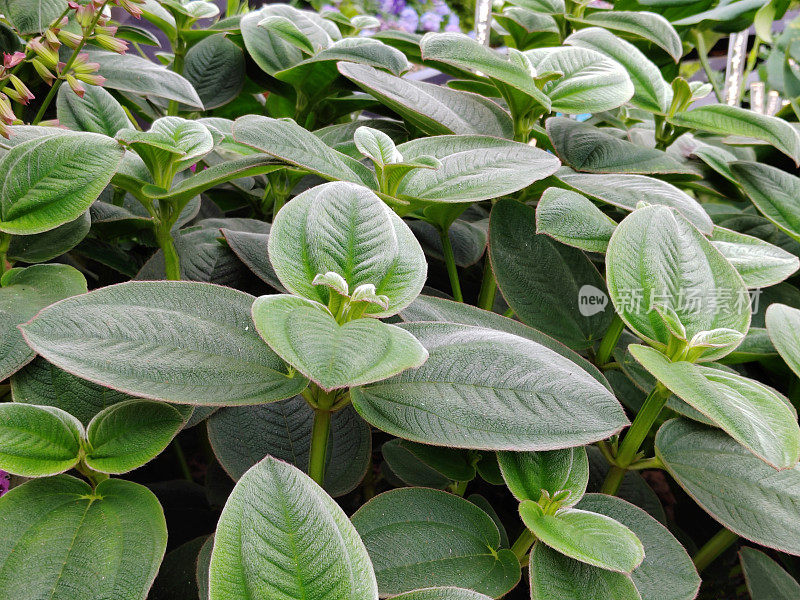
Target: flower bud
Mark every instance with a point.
(91, 78)
(12, 60)
(21, 88)
(110, 43)
(69, 39)
(48, 55)
(76, 85)
(6, 112)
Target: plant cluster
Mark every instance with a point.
(488, 329)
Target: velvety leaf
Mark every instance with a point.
(589, 149)
(32, 16)
(346, 229)
(53, 180)
(215, 68)
(444, 593)
(783, 323)
(572, 219)
(335, 356)
(735, 487)
(251, 248)
(242, 436)
(529, 474)
(97, 111)
(589, 537)
(132, 73)
(127, 435)
(667, 572)
(766, 579)
(62, 536)
(410, 469)
(554, 576)
(199, 340)
(281, 537)
(760, 263)
(473, 168)
(36, 441)
(750, 412)
(775, 193)
(435, 109)
(651, 92)
(477, 390)
(526, 264)
(590, 82)
(650, 26)
(286, 140)
(23, 293)
(431, 308)
(626, 191)
(41, 247)
(422, 537)
(656, 257)
(734, 120)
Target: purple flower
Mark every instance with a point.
(4, 482)
(430, 21)
(328, 7)
(409, 20)
(453, 23)
(441, 8)
(392, 7)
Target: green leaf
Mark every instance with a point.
(269, 538)
(590, 82)
(585, 536)
(418, 537)
(554, 576)
(97, 111)
(750, 412)
(334, 356)
(377, 146)
(32, 16)
(170, 145)
(215, 67)
(587, 148)
(732, 485)
(526, 264)
(667, 572)
(775, 193)
(286, 30)
(432, 308)
(37, 441)
(651, 92)
(472, 168)
(286, 140)
(434, 109)
(766, 579)
(572, 219)
(783, 323)
(129, 434)
(23, 293)
(54, 179)
(733, 120)
(760, 263)
(444, 593)
(401, 463)
(44, 384)
(62, 536)
(131, 73)
(529, 474)
(241, 436)
(656, 257)
(626, 191)
(646, 25)
(527, 29)
(475, 391)
(251, 248)
(268, 50)
(461, 51)
(199, 340)
(42, 247)
(346, 229)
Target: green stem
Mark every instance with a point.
(488, 287)
(319, 445)
(713, 548)
(94, 477)
(523, 544)
(609, 341)
(636, 435)
(177, 67)
(460, 488)
(68, 65)
(702, 53)
(184, 466)
(232, 8)
(172, 264)
(450, 261)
